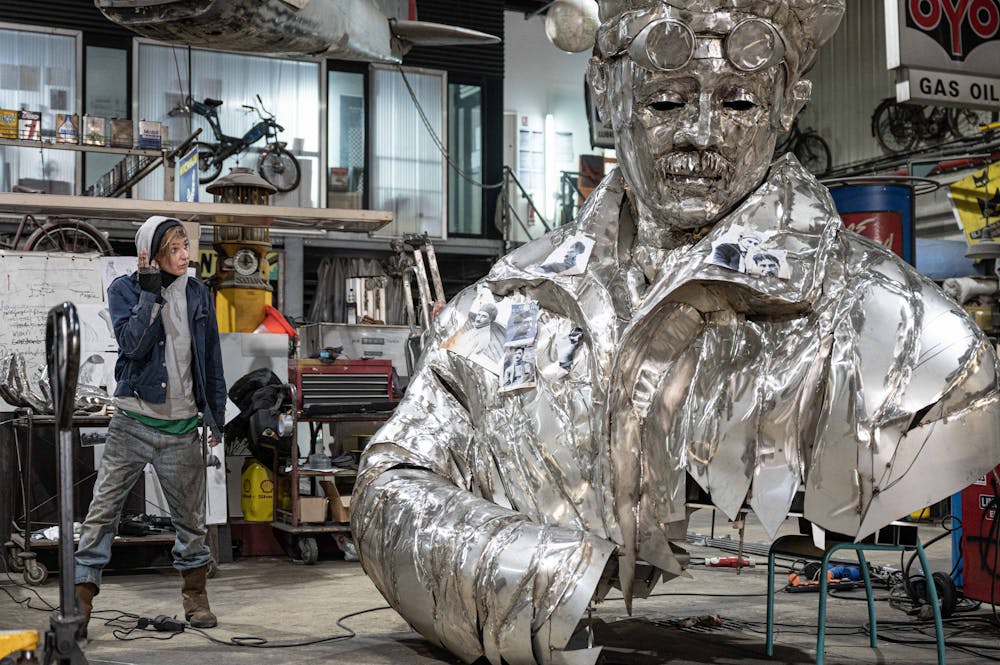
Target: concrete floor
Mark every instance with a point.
(283, 601)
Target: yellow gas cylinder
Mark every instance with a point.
(258, 492)
(284, 493)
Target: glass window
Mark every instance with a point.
(346, 147)
(288, 88)
(465, 138)
(106, 96)
(408, 176)
(38, 73)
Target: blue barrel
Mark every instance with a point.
(882, 212)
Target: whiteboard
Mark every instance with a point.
(31, 283)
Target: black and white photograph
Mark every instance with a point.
(570, 257)
(558, 352)
(518, 369)
(482, 338)
(750, 252)
(769, 263)
(523, 324)
(732, 249)
(92, 436)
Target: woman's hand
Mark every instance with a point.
(149, 274)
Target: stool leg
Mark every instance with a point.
(933, 598)
(770, 604)
(821, 620)
(872, 631)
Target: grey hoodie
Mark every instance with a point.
(173, 316)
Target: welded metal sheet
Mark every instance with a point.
(725, 331)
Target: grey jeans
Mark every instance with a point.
(180, 467)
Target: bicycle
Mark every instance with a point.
(900, 127)
(57, 235)
(809, 148)
(276, 165)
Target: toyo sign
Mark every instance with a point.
(958, 26)
(955, 46)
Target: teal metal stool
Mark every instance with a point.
(802, 547)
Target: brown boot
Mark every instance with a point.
(85, 592)
(196, 609)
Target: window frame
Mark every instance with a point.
(77, 36)
(321, 66)
(445, 119)
(347, 67)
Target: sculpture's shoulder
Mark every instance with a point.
(907, 325)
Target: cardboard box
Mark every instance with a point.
(340, 506)
(312, 508)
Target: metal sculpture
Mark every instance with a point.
(708, 318)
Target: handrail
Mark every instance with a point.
(569, 184)
(507, 210)
(142, 168)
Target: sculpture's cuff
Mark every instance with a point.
(471, 576)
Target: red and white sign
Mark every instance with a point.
(948, 51)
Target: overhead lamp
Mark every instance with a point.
(572, 24)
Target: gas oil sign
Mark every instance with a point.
(946, 51)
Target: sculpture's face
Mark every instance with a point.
(696, 110)
(693, 142)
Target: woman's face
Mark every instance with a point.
(173, 257)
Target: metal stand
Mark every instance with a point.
(62, 342)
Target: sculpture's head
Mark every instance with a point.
(697, 92)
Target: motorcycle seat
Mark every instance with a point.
(214, 103)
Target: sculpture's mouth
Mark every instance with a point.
(696, 167)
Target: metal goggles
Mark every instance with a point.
(668, 45)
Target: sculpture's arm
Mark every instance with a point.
(470, 575)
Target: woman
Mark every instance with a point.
(169, 370)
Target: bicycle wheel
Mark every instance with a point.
(280, 168)
(894, 127)
(965, 122)
(209, 167)
(71, 235)
(813, 153)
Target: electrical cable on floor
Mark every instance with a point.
(126, 633)
(26, 602)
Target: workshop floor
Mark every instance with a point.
(286, 602)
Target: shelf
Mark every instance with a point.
(215, 214)
(152, 539)
(77, 147)
(49, 420)
(329, 473)
(325, 527)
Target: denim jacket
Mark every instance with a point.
(140, 370)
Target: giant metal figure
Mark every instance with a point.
(708, 318)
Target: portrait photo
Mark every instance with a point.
(570, 257)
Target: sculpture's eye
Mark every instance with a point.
(740, 105)
(666, 105)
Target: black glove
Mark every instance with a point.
(150, 280)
